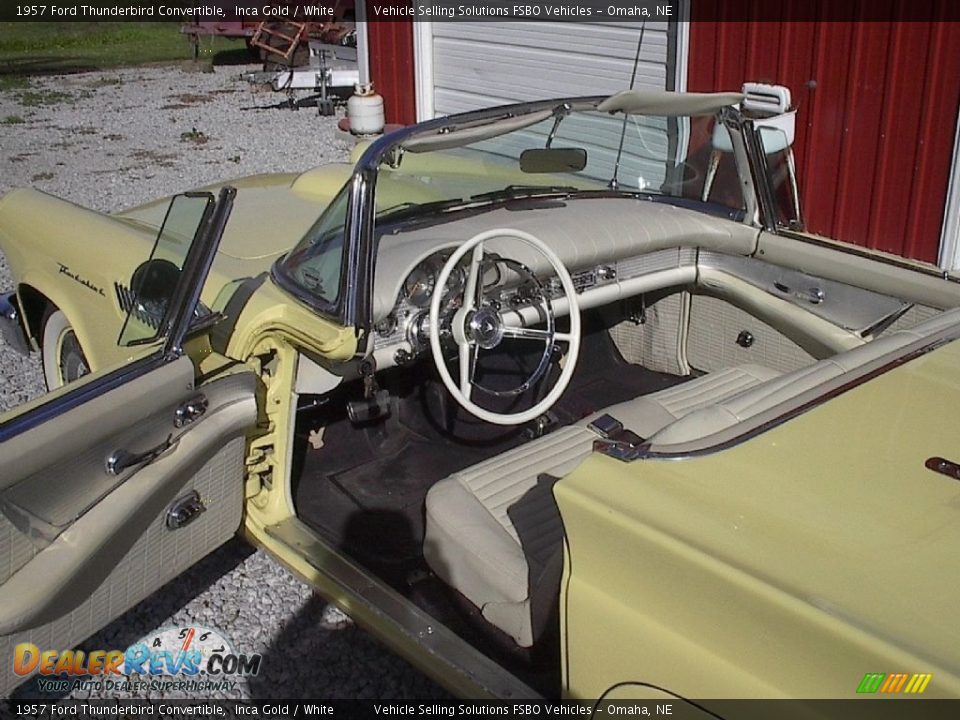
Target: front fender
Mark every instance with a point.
(95, 319)
(73, 256)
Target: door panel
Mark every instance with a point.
(113, 485)
(157, 557)
(15, 548)
(82, 533)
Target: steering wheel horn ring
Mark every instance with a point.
(479, 324)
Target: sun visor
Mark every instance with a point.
(473, 134)
(670, 104)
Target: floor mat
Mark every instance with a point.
(396, 481)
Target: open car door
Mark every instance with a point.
(113, 485)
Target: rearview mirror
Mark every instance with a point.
(552, 160)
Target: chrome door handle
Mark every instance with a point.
(190, 411)
(816, 295)
(122, 460)
(184, 510)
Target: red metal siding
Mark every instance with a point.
(877, 113)
(391, 68)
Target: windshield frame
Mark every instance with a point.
(353, 307)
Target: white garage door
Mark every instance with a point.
(468, 65)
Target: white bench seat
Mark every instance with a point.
(493, 531)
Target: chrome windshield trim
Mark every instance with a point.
(359, 237)
(381, 148)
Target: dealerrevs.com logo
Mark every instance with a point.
(894, 683)
(192, 658)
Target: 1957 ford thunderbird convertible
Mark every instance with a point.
(555, 398)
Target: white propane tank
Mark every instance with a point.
(365, 110)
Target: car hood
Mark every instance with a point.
(827, 531)
(270, 212)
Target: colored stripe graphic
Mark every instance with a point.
(918, 683)
(893, 683)
(871, 682)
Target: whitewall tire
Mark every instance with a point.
(63, 358)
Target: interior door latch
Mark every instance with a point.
(190, 411)
(184, 510)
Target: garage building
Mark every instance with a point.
(877, 99)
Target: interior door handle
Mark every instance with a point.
(122, 460)
(190, 411)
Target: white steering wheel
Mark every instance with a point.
(479, 324)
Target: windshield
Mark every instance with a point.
(589, 151)
(560, 151)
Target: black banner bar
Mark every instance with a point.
(482, 10)
(854, 709)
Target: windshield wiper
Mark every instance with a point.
(403, 210)
(516, 191)
(409, 209)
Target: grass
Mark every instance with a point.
(13, 120)
(28, 48)
(13, 82)
(34, 98)
(197, 137)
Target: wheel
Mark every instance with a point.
(63, 358)
(480, 325)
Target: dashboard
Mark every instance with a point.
(403, 334)
(613, 248)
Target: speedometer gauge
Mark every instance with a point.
(418, 287)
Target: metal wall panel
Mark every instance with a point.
(391, 68)
(478, 64)
(878, 104)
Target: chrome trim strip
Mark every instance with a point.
(644, 452)
(11, 325)
(335, 311)
(760, 182)
(378, 603)
(875, 255)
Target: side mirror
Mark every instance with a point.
(155, 280)
(553, 160)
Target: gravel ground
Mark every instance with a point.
(109, 140)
